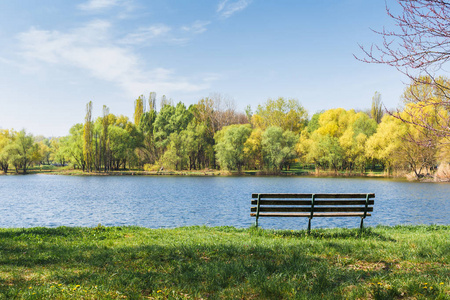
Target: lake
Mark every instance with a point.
(172, 201)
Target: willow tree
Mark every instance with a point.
(23, 151)
(230, 142)
(278, 147)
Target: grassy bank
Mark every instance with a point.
(409, 262)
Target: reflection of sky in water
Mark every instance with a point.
(154, 201)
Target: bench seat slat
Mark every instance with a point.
(306, 196)
(308, 209)
(308, 215)
(308, 202)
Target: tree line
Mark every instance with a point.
(212, 134)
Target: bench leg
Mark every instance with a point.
(309, 226)
(361, 226)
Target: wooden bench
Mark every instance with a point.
(311, 205)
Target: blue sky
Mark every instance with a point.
(58, 55)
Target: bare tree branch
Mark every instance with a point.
(419, 47)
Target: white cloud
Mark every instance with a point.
(196, 27)
(221, 5)
(97, 4)
(145, 34)
(227, 8)
(93, 49)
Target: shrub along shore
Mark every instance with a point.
(410, 262)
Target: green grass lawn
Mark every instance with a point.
(405, 262)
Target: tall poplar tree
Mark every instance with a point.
(152, 101)
(105, 139)
(87, 137)
(138, 109)
(376, 112)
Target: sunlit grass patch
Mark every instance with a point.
(224, 262)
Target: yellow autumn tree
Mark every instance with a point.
(432, 98)
(419, 151)
(287, 114)
(339, 140)
(386, 142)
(253, 150)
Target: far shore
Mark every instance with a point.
(224, 173)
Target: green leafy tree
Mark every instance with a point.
(169, 120)
(163, 127)
(331, 152)
(147, 152)
(44, 151)
(6, 138)
(59, 155)
(230, 146)
(176, 155)
(197, 145)
(23, 151)
(323, 148)
(204, 113)
(313, 124)
(120, 141)
(132, 141)
(324, 151)
(278, 147)
(73, 146)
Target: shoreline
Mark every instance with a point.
(222, 173)
(208, 172)
(315, 232)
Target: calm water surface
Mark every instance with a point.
(154, 201)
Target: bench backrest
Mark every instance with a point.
(311, 205)
(276, 202)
